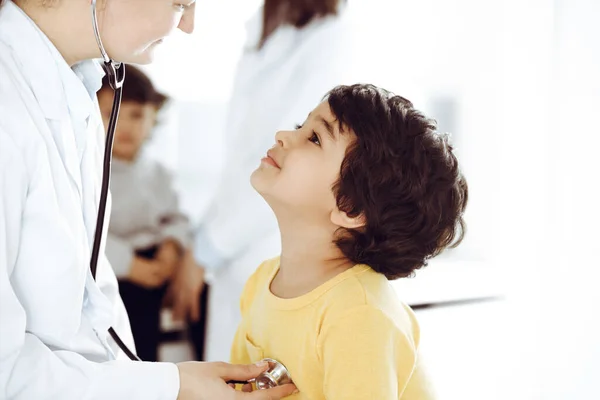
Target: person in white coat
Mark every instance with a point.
(53, 315)
(296, 51)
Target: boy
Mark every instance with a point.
(364, 192)
(149, 237)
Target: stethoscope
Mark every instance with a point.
(115, 73)
(277, 374)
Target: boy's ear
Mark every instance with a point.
(341, 219)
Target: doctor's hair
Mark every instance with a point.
(401, 176)
(297, 13)
(138, 88)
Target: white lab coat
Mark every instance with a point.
(53, 316)
(275, 88)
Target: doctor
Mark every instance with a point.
(296, 51)
(53, 316)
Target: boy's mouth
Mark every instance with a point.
(269, 159)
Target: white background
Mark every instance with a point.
(516, 82)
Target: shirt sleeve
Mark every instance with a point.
(365, 356)
(28, 368)
(175, 224)
(120, 253)
(239, 351)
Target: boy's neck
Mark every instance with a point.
(309, 257)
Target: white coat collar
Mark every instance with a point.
(48, 74)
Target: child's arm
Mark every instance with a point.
(365, 356)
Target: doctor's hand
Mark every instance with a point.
(147, 273)
(204, 381)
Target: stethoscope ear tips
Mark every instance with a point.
(115, 71)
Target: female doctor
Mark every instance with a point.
(53, 315)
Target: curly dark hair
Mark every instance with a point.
(138, 88)
(402, 176)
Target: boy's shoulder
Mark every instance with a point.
(152, 172)
(154, 167)
(258, 278)
(367, 294)
(361, 286)
(266, 269)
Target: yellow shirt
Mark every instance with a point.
(350, 338)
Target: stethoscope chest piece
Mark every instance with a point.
(276, 375)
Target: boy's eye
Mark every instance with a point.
(315, 139)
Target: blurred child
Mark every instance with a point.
(149, 236)
(365, 191)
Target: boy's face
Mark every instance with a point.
(300, 169)
(135, 124)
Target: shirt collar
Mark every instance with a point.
(54, 84)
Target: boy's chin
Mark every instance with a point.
(262, 189)
(255, 181)
(260, 186)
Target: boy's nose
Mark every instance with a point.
(282, 138)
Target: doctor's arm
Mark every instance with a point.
(29, 369)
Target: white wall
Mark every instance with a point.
(570, 282)
(485, 61)
(523, 78)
